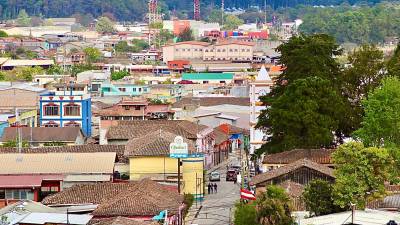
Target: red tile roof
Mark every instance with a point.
(142, 198)
(120, 221)
(154, 144)
(126, 130)
(321, 156)
(261, 178)
(211, 101)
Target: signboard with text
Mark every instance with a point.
(178, 148)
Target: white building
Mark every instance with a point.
(261, 86)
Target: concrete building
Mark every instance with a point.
(209, 78)
(68, 106)
(261, 86)
(123, 89)
(196, 50)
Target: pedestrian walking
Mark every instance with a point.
(215, 188)
(209, 188)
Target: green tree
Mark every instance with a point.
(92, 54)
(305, 116)
(3, 34)
(23, 18)
(75, 69)
(232, 22)
(55, 69)
(245, 214)
(393, 65)
(140, 44)
(104, 25)
(215, 16)
(118, 75)
(27, 73)
(14, 144)
(318, 198)
(382, 115)
(2, 76)
(360, 174)
(123, 46)
(273, 207)
(162, 38)
(365, 73)
(186, 35)
(310, 59)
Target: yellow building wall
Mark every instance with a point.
(151, 166)
(25, 118)
(192, 168)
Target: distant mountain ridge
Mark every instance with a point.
(135, 10)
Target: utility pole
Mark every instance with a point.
(265, 11)
(222, 12)
(179, 175)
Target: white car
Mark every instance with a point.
(214, 176)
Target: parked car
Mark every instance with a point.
(214, 176)
(236, 168)
(231, 175)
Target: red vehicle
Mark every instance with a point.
(231, 175)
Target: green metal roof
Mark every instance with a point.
(207, 76)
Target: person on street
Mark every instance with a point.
(215, 188)
(209, 188)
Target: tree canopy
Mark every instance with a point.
(318, 198)
(306, 106)
(382, 115)
(232, 22)
(23, 19)
(104, 25)
(186, 35)
(92, 55)
(360, 174)
(273, 207)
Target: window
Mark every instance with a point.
(72, 110)
(2, 194)
(248, 50)
(243, 49)
(137, 107)
(51, 110)
(206, 50)
(72, 124)
(127, 107)
(122, 89)
(195, 49)
(51, 124)
(54, 189)
(107, 89)
(230, 50)
(177, 50)
(223, 50)
(236, 50)
(205, 81)
(219, 50)
(140, 89)
(45, 189)
(222, 82)
(19, 194)
(134, 89)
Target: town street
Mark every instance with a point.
(217, 208)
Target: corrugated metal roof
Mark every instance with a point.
(366, 217)
(58, 163)
(23, 181)
(25, 62)
(57, 218)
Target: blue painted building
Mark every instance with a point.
(109, 89)
(66, 109)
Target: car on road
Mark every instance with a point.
(214, 176)
(231, 175)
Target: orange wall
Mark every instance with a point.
(180, 25)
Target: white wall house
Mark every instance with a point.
(261, 86)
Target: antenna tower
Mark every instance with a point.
(196, 8)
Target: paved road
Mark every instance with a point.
(217, 209)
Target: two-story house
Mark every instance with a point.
(67, 106)
(123, 89)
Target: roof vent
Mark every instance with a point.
(19, 158)
(68, 158)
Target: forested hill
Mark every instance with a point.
(130, 10)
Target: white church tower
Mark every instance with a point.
(261, 86)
